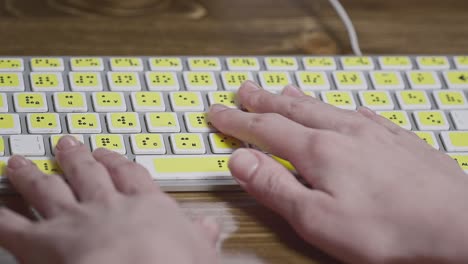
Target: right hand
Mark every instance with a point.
(380, 194)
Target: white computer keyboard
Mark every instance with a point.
(153, 109)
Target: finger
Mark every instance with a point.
(13, 227)
(48, 194)
(271, 132)
(210, 228)
(292, 91)
(272, 184)
(128, 176)
(305, 110)
(392, 127)
(88, 178)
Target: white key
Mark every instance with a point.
(281, 64)
(27, 145)
(126, 64)
(423, 80)
(165, 64)
(200, 81)
(123, 81)
(204, 64)
(85, 81)
(308, 80)
(186, 167)
(357, 63)
(147, 144)
(3, 103)
(10, 124)
(11, 64)
(11, 82)
(93, 64)
(456, 141)
(46, 81)
(460, 119)
(433, 62)
(47, 64)
(243, 64)
(162, 81)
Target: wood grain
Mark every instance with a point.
(252, 233)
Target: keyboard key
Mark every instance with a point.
(125, 122)
(395, 63)
(462, 159)
(281, 64)
(341, 99)
(11, 64)
(198, 122)
(162, 122)
(433, 62)
(187, 143)
(243, 64)
(387, 80)
(165, 64)
(347, 80)
(456, 79)
(85, 123)
(109, 102)
(27, 145)
(147, 101)
(225, 98)
(11, 82)
(30, 102)
(85, 81)
(108, 141)
(123, 81)
(186, 101)
(456, 141)
(413, 100)
(3, 166)
(233, 80)
(319, 63)
(47, 165)
(423, 80)
(44, 123)
(398, 117)
(376, 100)
(47, 64)
(204, 64)
(70, 102)
(460, 119)
(175, 167)
(126, 64)
(461, 62)
(162, 81)
(87, 64)
(309, 93)
(450, 99)
(46, 81)
(222, 144)
(9, 124)
(3, 103)
(274, 81)
(431, 120)
(200, 81)
(54, 139)
(147, 144)
(312, 80)
(2, 147)
(357, 63)
(429, 137)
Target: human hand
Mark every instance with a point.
(111, 212)
(379, 193)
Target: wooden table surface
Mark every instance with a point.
(252, 234)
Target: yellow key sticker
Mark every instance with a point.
(276, 78)
(356, 61)
(279, 62)
(431, 118)
(45, 80)
(162, 79)
(7, 121)
(461, 159)
(457, 77)
(200, 79)
(85, 79)
(125, 62)
(30, 100)
(386, 78)
(9, 80)
(203, 63)
(426, 136)
(188, 141)
(414, 97)
(166, 62)
(285, 163)
(242, 62)
(109, 99)
(11, 64)
(432, 61)
(372, 98)
(43, 121)
(319, 62)
(149, 141)
(124, 120)
(163, 120)
(3, 166)
(461, 61)
(124, 79)
(349, 78)
(459, 139)
(83, 121)
(396, 61)
(422, 78)
(221, 141)
(198, 120)
(47, 166)
(86, 62)
(451, 98)
(235, 79)
(148, 99)
(224, 98)
(185, 99)
(339, 98)
(70, 100)
(46, 63)
(111, 142)
(2, 146)
(312, 78)
(396, 117)
(185, 164)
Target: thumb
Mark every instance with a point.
(269, 182)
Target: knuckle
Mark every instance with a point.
(260, 121)
(39, 183)
(126, 167)
(297, 107)
(75, 168)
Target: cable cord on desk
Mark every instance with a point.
(353, 38)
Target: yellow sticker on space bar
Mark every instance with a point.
(191, 164)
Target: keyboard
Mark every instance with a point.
(153, 109)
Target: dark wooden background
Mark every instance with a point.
(251, 233)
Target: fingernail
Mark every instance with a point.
(250, 86)
(67, 142)
(17, 162)
(217, 108)
(243, 164)
(366, 111)
(291, 90)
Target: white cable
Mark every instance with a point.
(353, 38)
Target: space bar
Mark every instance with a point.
(186, 167)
